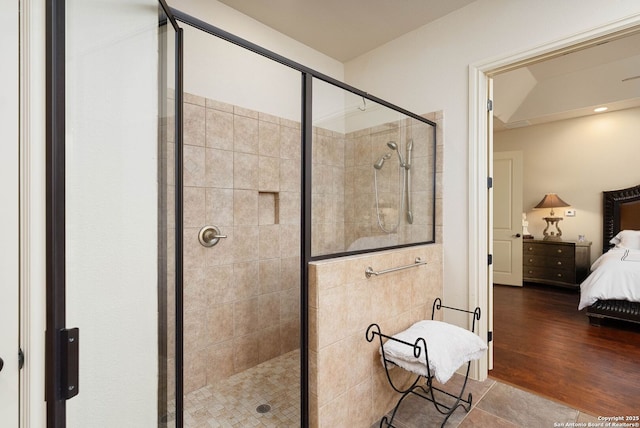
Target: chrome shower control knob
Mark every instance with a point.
(210, 236)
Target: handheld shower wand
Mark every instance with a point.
(407, 176)
(408, 182)
(405, 194)
(377, 166)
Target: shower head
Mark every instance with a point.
(380, 162)
(393, 146)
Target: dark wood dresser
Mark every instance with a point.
(562, 263)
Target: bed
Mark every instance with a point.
(612, 290)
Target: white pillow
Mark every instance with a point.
(449, 347)
(629, 239)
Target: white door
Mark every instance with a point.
(507, 218)
(9, 392)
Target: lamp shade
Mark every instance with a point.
(551, 200)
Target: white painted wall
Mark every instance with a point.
(216, 69)
(578, 159)
(112, 255)
(427, 70)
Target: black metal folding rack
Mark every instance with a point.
(427, 389)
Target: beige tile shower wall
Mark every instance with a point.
(328, 192)
(363, 149)
(241, 297)
(347, 383)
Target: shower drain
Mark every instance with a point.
(263, 408)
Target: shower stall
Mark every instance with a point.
(259, 165)
(272, 175)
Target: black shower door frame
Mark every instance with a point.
(57, 358)
(61, 343)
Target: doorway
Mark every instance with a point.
(481, 154)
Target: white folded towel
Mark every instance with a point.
(449, 347)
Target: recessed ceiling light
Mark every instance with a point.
(600, 109)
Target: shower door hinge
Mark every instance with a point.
(70, 362)
(489, 105)
(490, 259)
(490, 336)
(20, 359)
(489, 182)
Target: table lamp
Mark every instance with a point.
(551, 200)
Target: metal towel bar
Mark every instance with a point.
(369, 271)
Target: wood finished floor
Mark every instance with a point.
(543, 344)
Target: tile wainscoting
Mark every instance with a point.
(347, 384)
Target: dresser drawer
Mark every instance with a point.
(553, 262)
(554, 250)
(549, 274)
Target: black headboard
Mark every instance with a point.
(621, 211)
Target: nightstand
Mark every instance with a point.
(562, 263)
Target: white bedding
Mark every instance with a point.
(614, 275)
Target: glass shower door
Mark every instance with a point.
(242, 180)
(133, 279)
(112, 225)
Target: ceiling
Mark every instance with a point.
(570, 85)
(345, 29)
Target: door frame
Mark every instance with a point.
(481, 156)
(30, 201)
(32, 212)
(10, 217)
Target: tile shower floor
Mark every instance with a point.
(234, 402)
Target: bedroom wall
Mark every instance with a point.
(428, 70)
(578, 159)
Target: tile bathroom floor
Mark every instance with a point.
(494, 404)
(234, 403)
